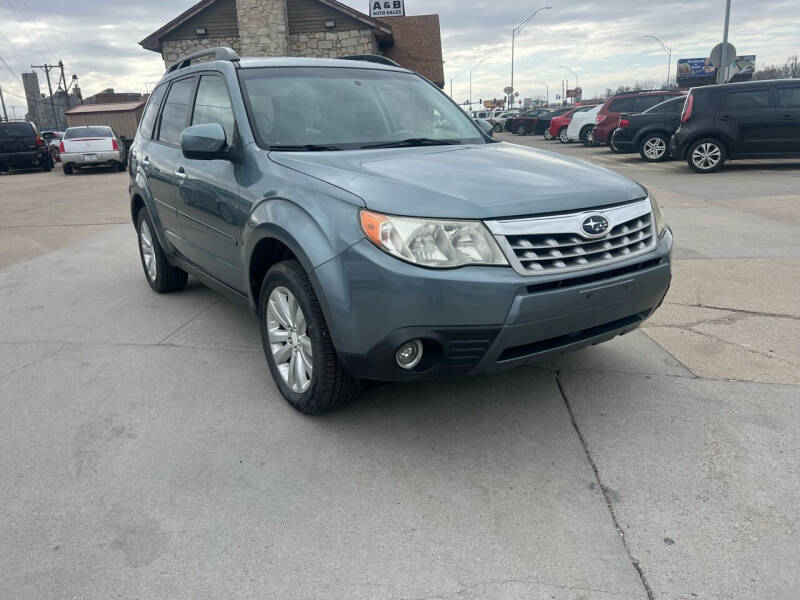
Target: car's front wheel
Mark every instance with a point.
(654, 148)
(297, 344)
(547, 135)
(161, 275)
(562, 136)
(706, 155)
(521, 130)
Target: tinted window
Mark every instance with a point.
(789, 97)
(173, 117)
(150, 113)
(642, 103)
(673, 105)
(747, 100)
(85, 132)
(213, 105)
(621, 105)
(15, 130)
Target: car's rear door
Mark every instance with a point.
(747, 117)
(160, 156)
(788, 117)
(210, 212)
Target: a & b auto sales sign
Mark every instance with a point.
(387, 8)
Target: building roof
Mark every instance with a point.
(153, 41)
(105, 108)
(417, 45)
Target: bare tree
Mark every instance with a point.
(790, 69)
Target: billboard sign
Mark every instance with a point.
(576, 93)
(387, 8)
(700, 71)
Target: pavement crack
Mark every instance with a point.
(189, 321)
(754, 313)
(513, 580)
(604, 490)
(36, 361)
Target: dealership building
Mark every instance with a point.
(313, 28)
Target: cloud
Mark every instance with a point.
(602, 41)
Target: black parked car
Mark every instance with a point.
(648, 132)
(523, 124)
(22, 147)
(752, 119)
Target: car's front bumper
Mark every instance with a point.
(87, 159)
(478, 319)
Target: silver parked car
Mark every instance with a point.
(91, 146)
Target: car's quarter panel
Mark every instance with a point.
(466, 182)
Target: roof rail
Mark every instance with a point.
(220, 53)
(373, 58)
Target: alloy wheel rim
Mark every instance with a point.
(289, 341)
(706, 156)
(148, 252)
(563, 135)
(655, 148)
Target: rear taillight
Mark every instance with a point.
(624, 122)
(61, 147)
(114, 144)
(39, 141)
(687, 108)
(600, 119)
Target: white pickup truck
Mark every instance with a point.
(91, 146)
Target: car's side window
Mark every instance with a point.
(642, 103)
(213, 104)
(150, 113)
(789, 97)
(747, 100)
(173, 116)
(621, 105)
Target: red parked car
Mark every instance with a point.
(559, 124)
(629, 102)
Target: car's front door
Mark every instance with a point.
(210, 211)
(158, 157)
(788, 118)
(748, 119)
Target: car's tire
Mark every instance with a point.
(296, 340)
(654, 147)
(611, 146)
(68, 170)
(584, 135)
(121, 167)
(498, 128)
(48, 165)
(706, 155)
(562, 136)
(162, 276)
(547, 135)
(521, 130)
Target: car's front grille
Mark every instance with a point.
(557, 244)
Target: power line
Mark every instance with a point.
(38, 33)
(21, 26)
(10, 70)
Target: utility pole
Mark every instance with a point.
(3, 102)
(722, 71)
(47, 69)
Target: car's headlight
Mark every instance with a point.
(434, 243)
(658, 216)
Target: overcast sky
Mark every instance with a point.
(601, 41)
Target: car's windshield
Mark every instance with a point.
(15, 130)
(85, 132)
(299, 108)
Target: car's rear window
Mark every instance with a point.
(15, 130)
(86, 132)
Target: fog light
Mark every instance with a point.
(409, 354)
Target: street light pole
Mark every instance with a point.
(459, 74)
(514, 33)
(471, 69)
(666, 49)
(722, 71)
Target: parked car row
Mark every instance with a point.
(706, 127)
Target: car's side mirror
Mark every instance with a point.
(485, 126)
(204, 142)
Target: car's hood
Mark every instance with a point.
(470, 182)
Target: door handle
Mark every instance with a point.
(787, 117)
(726, 118)
(180, 174)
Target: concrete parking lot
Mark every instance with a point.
(145, 453)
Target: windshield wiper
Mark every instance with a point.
(305, 148)
(420, 141)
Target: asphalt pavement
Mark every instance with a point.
(145, 453)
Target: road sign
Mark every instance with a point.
(508, 90)
(717, 56)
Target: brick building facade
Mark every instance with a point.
(314, 28)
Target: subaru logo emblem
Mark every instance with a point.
(594, 226)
